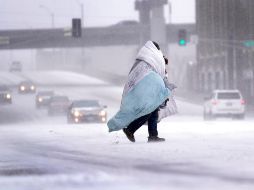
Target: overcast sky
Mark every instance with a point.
(15, 14)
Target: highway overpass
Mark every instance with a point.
(97, 36)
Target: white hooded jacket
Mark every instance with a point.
(154, 57)
(149, 58)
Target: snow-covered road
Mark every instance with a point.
(42, 153)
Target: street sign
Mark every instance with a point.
(67, 32)
(249, 43)
(4, 40)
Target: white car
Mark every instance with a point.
(225, 103)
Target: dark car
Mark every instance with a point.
(5, 95)
(58, 105)
(42, 98)
(26, 87)
(86, 111)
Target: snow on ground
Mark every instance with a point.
(185, 108)
(200, 155)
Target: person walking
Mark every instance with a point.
(144, 92)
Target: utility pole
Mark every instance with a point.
(230, 64)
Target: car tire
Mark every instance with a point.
(240, 116)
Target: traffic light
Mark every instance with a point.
(76, 28)
(182, 37)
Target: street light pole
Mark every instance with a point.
(82, 15)
(81, 12)
(52, 15)
(53, 20)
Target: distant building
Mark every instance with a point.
(223, 60)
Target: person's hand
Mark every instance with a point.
(172, 86)
(165, 59)
(164, 104)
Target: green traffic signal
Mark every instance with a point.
(182, 42)
(182, 37)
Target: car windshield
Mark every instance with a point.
(229, 95)
(88, 103)
(60, 99)
(26, 83)
(46, 93)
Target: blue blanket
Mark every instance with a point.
(143, 99)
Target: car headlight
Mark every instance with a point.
(32, 87)
(22, 88)
(102, 113)
(76, 113)
(8, 96)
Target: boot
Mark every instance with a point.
(129, 135)
(155, 139)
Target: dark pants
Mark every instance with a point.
(152, 120)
